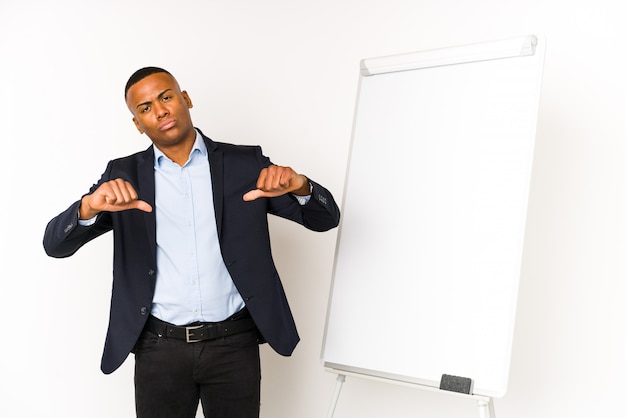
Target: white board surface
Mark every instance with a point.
(430, 244)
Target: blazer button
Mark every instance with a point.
(144, 310)
(151, 272)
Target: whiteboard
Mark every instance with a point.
(429, 248)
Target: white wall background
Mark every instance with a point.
(283, 74)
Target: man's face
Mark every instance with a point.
(161, 110)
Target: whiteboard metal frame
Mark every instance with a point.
(484, 404)
(507, 48)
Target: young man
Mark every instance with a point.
(195, 289)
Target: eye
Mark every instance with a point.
(167, 98)
(144, 109)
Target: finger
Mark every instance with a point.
(260, 183)
(108, 194)
(134, 204)
(276, 181)
(253, 195)
(275, 178)
(256, 193)
(286, 177)
(141, 205)
(112, 193)
(119, 192)
(124, 191)
(129, 191)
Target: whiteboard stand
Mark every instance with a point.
(341, 378)
(486, 409)
(485, 404)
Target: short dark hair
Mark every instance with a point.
(140, 74)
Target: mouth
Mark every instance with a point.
(167, 125)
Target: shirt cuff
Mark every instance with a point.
(87, 222)
(303, 200)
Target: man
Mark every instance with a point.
(195, 289)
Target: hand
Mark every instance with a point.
(112, 196)
(276, 180)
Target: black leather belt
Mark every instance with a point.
(202, 331)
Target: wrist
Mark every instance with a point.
(305, 189)
(85, 211)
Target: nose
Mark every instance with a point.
(161, 110)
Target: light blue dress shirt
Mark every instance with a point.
(192, 282)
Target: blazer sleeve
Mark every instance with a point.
(321, 212)
(64, 235)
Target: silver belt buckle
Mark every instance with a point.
(189, 335)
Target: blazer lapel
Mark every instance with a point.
(145, 178)
(216, 162)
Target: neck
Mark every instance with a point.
(178, 153)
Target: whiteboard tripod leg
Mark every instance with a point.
(486, 409)
(340, 379)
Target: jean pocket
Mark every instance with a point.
(146, 342)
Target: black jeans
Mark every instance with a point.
(171, 376)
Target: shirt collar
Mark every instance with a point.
(198, 146)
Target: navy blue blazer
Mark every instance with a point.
(243, 235)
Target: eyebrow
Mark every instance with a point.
(158, 97)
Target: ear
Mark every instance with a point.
(187, 99)
(138, 126)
